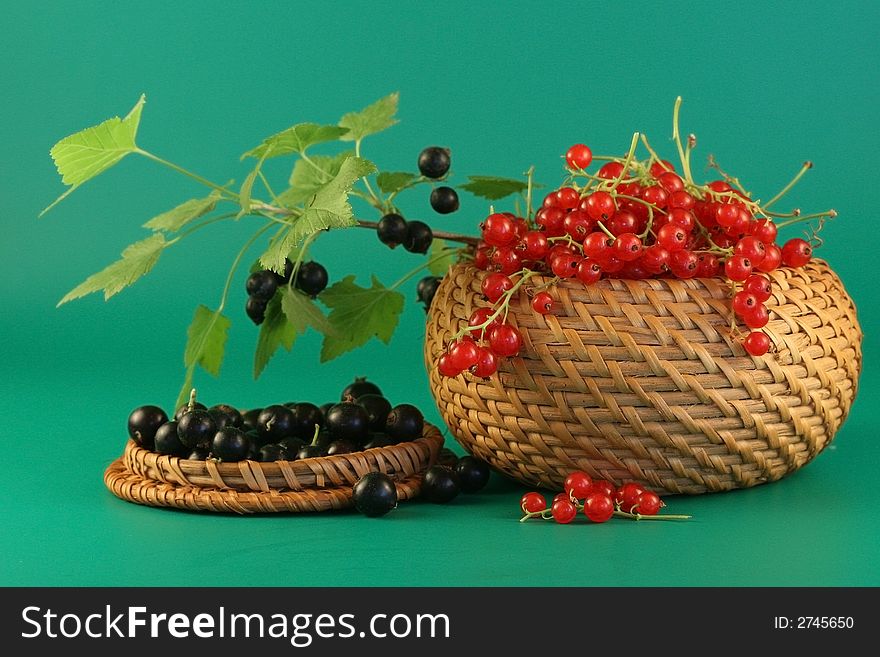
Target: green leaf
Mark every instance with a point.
(493, 188)
(358, 314)
(137, 260)
(247, 187)
(275, 332)
(329, 208)
(296, 139)
(83, 155)
(394, 181)
(302, 312)
(206, 340)
(441, 257)
(370, 120)
(308, 177)
(178, 217)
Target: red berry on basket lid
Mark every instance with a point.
(486, 365)
(542, 303)
(796, 253)
(759, 286)
(504, 340)
(598, 507)
(588, 271)
(495, 285)
(757, 317)
(577, 484)
(744, 303)
(772, 258)
(534, 245)
(464, 354)
(738, 268)
(532, 503)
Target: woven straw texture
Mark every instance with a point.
(643, 381)
(316, 484)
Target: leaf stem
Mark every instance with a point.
(378, 202)
(424, 265)
(185, 172)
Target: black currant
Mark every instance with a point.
(391, 230)
(326, 407)
(255, 443)
(440, 484)
(348, 421)
(143, 422)
(311, 278)
(305, 417)
(272, 452)
(199, 454)
(359, 387)
(225, 415)
(168, 442)
(341, 447)
(418, 237)
(323, 439)
(405, 422)
(249, 419)
(183, 409)
(378, 439)
(256, 310)
(196, 428)
(434, 161)
(274, 423)
(289, 448)
(473, 474)
(230, 444)
(444, 200)
(374, 494)
(427, 288)
(262, 284)
(288, 272)
(377, 408)
(310, 452)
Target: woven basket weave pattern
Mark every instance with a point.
(641, 380)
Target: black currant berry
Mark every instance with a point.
(143, 422)
(225, 416)
(434, 161)
(310, 452)
(311, 278)
(391, 230)
(168, 442)
(440, 484)
(230, 444)
(427, 288)
(418, 237)
(358, 388)
(284, 278)
(378, 439)
(255, 443)
(405, 422)
(323, 439)
(262, 284)
(341, 447)
(274, 423)
(183, 409)
(256, 310)
(444, 200)
(199, 454)
(249, 419)
(473, 474)
(377, 408)
(289, 448)
(196, 428)
(305, 417)
(348, 421)
(272, 452)
(374, 494)
(326, 407)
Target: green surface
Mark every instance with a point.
(505, 87)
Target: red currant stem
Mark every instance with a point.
(638, 516)
(806, 167)
(626, 162)
(544, 514)
(733, 181)
(568, 240)
(806, 217)
(605, 230)
(676, 137)
(503, 303)
(443, 235)
(532, 291)
(649, 148)
(688, 149)
(530, 182)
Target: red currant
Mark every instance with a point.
(589, 271)
(495, 285)
(752, 248)
(627, 496)
(684, 263)
(709, 265)
(499, 230)
(648, 504)
(598, 507)
(622, 222)
(532, 503)
(738, 268)
(655, 195)
(603, 486)
(577, 484)
(757, 343)
(486, 365)
(654, 258)
(596, 244)
(567, 198)
(599, 205)
(479, 317)
(610, 170)
(564, 511)
(744, 303)
(481, 258)
(772, 258)
(542, 303)
(445, 366)
(506, 260)
(757, 317)
(759, 286)
(627, 247)
(504, 340)
(672, 237)
(683, 218)
(765, 230)
(565, 265)
(578, 224)
(658, 168)
(551, 219)
(463, 354)
(579, 156)
(535, 245)
(719, 186)
(796, 253)
(671, 182)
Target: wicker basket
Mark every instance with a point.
(315, 484)
(642, 381)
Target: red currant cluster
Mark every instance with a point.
(631, 219)
(598, 500)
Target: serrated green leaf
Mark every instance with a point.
(302, 312)
(206, 340)
(328, 208)
(309, 176)
(440, 258)
(296, 139)
(358, 314)
(370, 120)
(493, 188)
(83, 155)
(137, 259)
(394, 181)
(178, 217)
(275, 332)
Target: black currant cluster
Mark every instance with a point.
(363, 419)
(311, 279)
(426, 289)
(434, 163)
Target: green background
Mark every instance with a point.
(505, 85)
